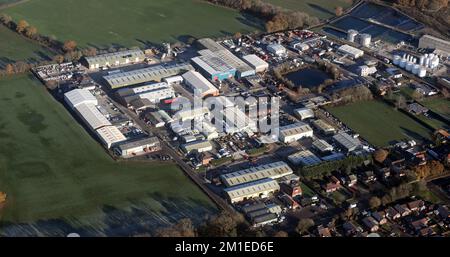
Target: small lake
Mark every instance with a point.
(307, 78)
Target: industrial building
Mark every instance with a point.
(79, 96)
(272, 170)
(92, 116)
(114, 59)
(304, 158)
(258, 64)
(208, 43)
(351, 51)
(294, 132)
(138, 147)
(153, 92)
(110, 136)
(199, 84)
(323, 127)
(242, 68)
(304, 113)
(213, 68)
(365, 70)
(431, 42)
(199, 146)
(259, 188)
(235, 120)
(276, 49)
(154, 73)
(322, 146)
(173, 80)
(347, 142)
(190, 114)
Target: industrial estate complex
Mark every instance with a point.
(256, 123)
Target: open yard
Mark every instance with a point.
(379, 123)
(114, 22)
(59, 179)
(14, 47)
(320, 8)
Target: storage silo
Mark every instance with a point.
(396, 60)
(365, 39)
(351, 35)
(409, 66)
(422, 72)
(403, 63)
(416, 69)
(422, 60)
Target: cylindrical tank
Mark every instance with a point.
(422, 60)
(422, 72)
(409, 66)
(351, 35)
(365, 39)
(427, 62)
(403, 63)
(416, 69)
(396, 60)
(404, 55)
(414, 60)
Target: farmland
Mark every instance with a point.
(320, 8)
(14, 47)
(59, 179)
(111, 22)
(439, 105)
(379, 123)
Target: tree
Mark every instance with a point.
(58, 58)
(9, 69)
(304, 225)
(69, 45)
(183, 228)
(417, 95)
(237, 35)
(31, 31)
(374, 202)
(401, 102)
(339, 11)
(21, 26)
(5, 19)
(281, 233)
(224, 224)
(380, 155)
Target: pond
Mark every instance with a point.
(308, 78)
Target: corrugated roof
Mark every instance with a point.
(252, 188)
(92, 116)
(79, 96)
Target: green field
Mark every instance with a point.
(320, 8)
(14, 47)
(440, 106)
(379, 123)
(51, 168)
(114, 22)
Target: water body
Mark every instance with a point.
(308, 78)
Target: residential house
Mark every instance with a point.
(371, 224)
(323, 231)
(417, 205)
(380, 217)
(403, 210)
(392, 214)
(349, 229)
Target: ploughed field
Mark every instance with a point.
(379, 123)
(59, 179)
(104, 23)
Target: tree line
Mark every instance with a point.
(433, 5)
(326, 168)
(276, 18)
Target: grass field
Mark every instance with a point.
(439, 105)
(320, 8)
(54, 172)
(106, 22)
(14, 47)
(379, 123)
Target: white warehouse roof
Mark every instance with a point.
(92, 116)
(110, 135)
(199, 84)
(251, 189)
(305, 158)
(304, 113)
(257, 63)
(79, 96)
(350, 50)
(347, 141)
(273, 170)
(295, 129)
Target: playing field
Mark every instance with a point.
(14, 47)
(58, 178)
(320, 8)
(115, 22)
(379, 123)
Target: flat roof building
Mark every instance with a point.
(114, 59)
(294, 132)
(153, 92)
(91, 116)
(199, 84)
(190, 114)
(431, 42)
(304, 158)
(242, 68)
(272, 170)
(347, 142)
(199, 146)
(351, 51)
(323, 127)
(208, 43)
(276, 49)
(154, 73)
(322, 146)
(259, 188)
(79, 96)
(110, 136)
(213, 68)
(258, 64)
(138, 147)
(304, 113)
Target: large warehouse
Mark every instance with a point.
(258, 188)
(347, 142)
(294, 132)
(304, 158)
(199, 84)
(351, 51)
(213, 67)
(153, 92)
(79, 96)
(258, 64)
(138, 147)
(431, 42)
(110, 136)
(92, 116)
(154, 73)
(114, 59)
(199, 146)
(273, 170)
